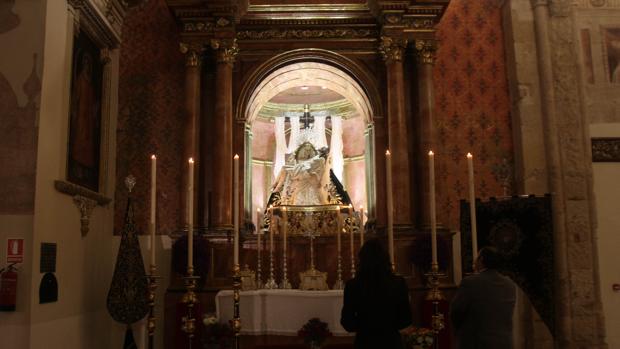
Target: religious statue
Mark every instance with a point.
(306, 180)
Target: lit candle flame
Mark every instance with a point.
(430, 152)
(191, 160)
(387, 152)
(153, 157)
(236, 157)
(469, 155)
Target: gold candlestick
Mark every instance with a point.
(259, 232)
(435, 296)
(285, 284)
(189, 299)
(339, 285)
(271, 282)
(350, 224)
(152, 280)
(236, 323)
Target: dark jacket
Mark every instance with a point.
(376, 313)
(481, 311)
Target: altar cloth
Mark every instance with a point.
(282, 312)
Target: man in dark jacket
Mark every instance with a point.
(481, 311)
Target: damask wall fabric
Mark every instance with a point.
(150, 109)
(472, 105)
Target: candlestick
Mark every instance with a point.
(339, 285)
(285, 283)
(351, 240)
(236, 209)
(190, 217)
(271, 282)
(472, 209)
(153, 205)
(259, 232)
(431, 170)
(390, 206)
(361, 226)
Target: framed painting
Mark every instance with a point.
(85, 113)
(611, 42)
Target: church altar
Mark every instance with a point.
(269, 312)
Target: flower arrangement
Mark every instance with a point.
(216, 335)
(418, 337)
(314, 332)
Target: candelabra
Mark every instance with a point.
(189, 299)
(352, 228)
(259, 247)
(152, 280)
(435, 296)
(271, 282)
(236, 323)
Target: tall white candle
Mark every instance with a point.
(190, 216)
(390, 205)
(153, 205)
(431, 178)
(361, 226)
(472, 207)
(236, 209)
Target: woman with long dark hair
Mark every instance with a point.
(376, 302)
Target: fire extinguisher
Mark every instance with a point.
(8, 288)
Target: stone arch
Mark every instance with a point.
(303, 67)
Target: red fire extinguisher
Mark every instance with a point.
(8, 288)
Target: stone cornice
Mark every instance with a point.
(77, 190)
(308, 34)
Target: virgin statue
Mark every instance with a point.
(305, 179)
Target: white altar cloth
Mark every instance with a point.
(282, 312)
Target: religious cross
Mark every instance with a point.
(307, 118)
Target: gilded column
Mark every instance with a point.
(425, 126)
(192, 116)
(392, 50)
(226, 51)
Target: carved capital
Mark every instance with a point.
(86, 206)
(426, 51)
(392, 49)
(226, 50)
(105, 56)
(560, 8)
(192, 52)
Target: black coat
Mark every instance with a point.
(376, 314)
(481, 311)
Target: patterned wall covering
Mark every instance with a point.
(472, 104)
(150, 107)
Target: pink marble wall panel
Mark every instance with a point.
(355, 177)
(353, 136)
